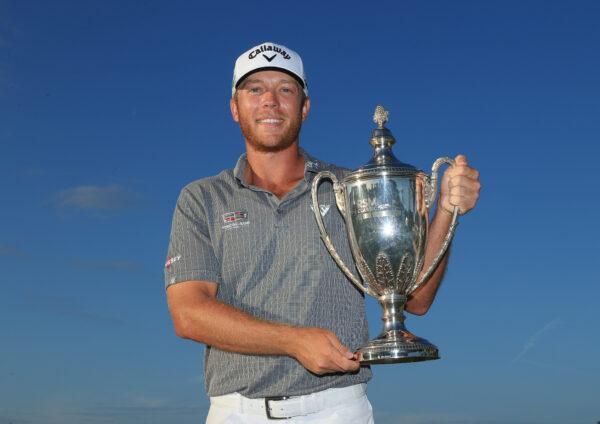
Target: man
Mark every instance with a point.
(248, 275)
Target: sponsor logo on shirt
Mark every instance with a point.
(235, 219)
(323, 208)
(311, 165)
(171, 261)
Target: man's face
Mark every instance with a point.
(270, 107)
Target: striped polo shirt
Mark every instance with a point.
(268, 260)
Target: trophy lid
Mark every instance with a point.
(382, 141)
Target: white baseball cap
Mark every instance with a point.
(268, 56)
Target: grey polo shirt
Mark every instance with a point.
(268, 260)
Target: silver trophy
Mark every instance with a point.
(385, 204)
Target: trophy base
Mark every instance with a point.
(397, 346)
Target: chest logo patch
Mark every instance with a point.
(322, 208)
(235, 219)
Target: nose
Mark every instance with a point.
(269, 99)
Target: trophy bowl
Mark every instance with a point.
(385, 205)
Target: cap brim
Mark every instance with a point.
(270, 68)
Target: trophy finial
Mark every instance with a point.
(381, 116)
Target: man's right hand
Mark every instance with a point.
(199, 316)
(321, 352)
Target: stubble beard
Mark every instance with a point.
(286, 140)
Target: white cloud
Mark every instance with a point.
(95, 198)
(531, 342)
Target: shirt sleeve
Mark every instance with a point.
(191, 255)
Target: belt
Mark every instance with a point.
(282, 407)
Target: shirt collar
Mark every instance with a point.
(240, 167)
(311, 167)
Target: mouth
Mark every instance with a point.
(269, 121)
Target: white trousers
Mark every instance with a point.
(333, 406)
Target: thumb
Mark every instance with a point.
(340, 347)
(461, 160)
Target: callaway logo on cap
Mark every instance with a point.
(268, 56)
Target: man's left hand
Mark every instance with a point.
(460, 187)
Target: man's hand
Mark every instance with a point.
(321, 352)
(198, 315)
(460, 187)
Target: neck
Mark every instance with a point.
(278, 172)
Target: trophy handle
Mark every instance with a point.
(338, 189)
(429, 200)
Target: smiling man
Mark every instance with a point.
(252, 279)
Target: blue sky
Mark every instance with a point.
(108, 108)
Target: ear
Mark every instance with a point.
(234, 110)
(305, 108)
